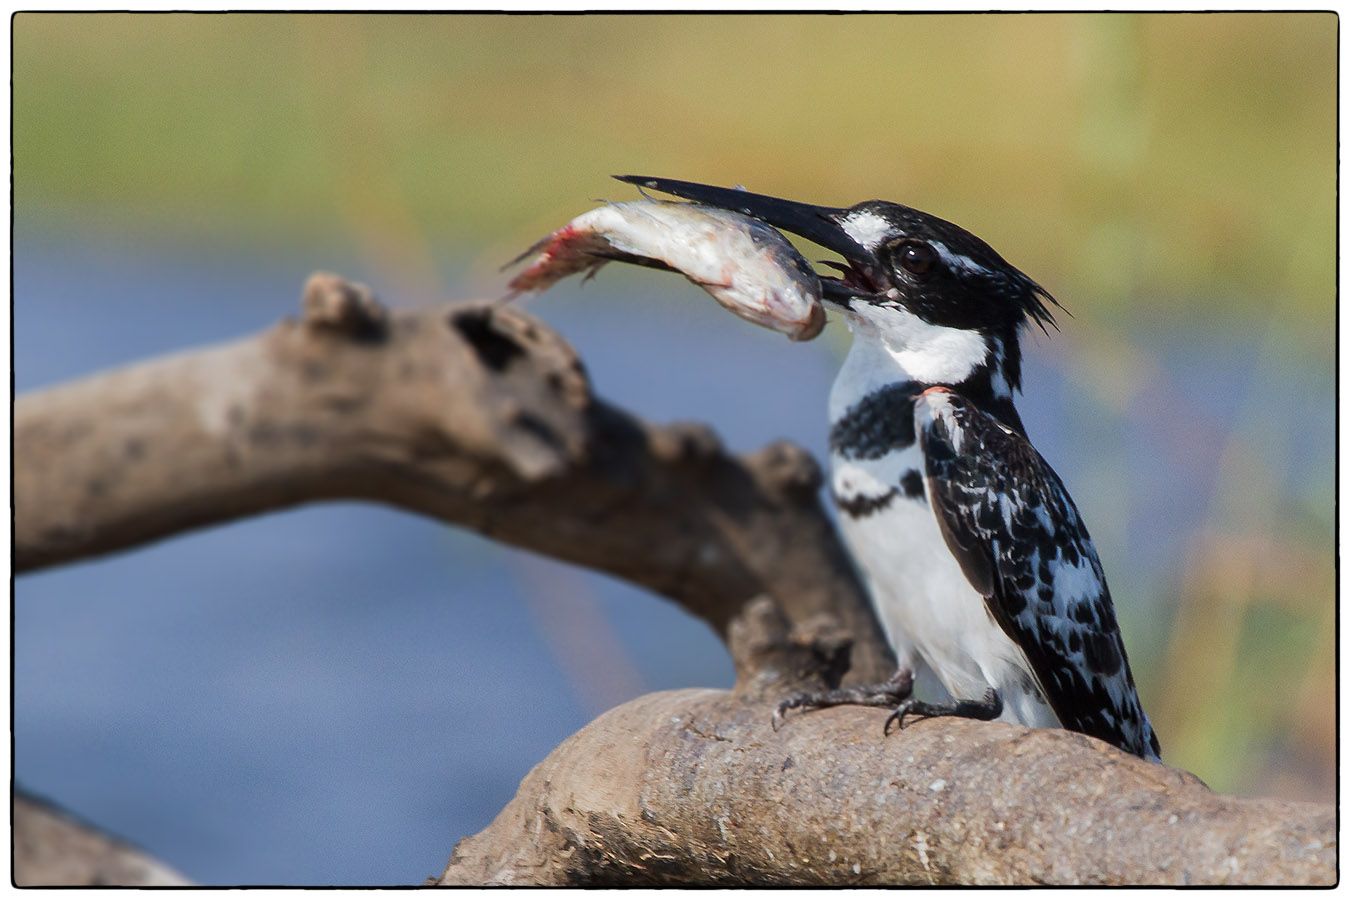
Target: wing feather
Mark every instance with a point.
(1015, 531)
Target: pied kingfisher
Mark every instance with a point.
(975, 557)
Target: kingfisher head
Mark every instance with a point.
(941, 300)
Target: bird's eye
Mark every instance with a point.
(915, 257)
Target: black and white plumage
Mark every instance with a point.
(1019, 540)
(977, 561)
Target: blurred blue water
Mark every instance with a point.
(336, 694)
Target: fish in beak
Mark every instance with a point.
(861, 274)
(748, 266)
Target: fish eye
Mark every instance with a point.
(915, 257)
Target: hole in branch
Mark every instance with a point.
(495, 349)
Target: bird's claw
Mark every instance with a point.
(897, 717)
(886, 694)
(984, 710)
(780, 711)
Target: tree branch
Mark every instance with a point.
(53, 848)
(476, 414)
(480, 416)
(693, 787)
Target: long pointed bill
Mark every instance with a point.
(815, 223)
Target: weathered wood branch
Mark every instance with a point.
(53, 848)
(480, 416)
(475, 414)
(694, 787)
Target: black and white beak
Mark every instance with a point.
(862, 272)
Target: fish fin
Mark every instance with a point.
(537, 247)
(592, 270)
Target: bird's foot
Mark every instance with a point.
(986, 710)
(886, 694)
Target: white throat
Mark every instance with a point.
(893, 344)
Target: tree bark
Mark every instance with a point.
(479, 416)
(694, 787)
(53, 848)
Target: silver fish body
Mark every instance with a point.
(747, 266)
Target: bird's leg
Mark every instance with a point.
(986, 710)
(887, 694)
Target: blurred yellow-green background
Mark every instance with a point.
(1171, 178)
(1171, 154)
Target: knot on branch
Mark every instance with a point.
(685, 442)
(529, 394)
(772, 656)
(331, 303)
(788, 467)
(506, 340)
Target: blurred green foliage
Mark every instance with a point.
(1167, 156)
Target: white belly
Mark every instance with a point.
(928, 609)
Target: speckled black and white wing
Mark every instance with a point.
(1018, 537)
